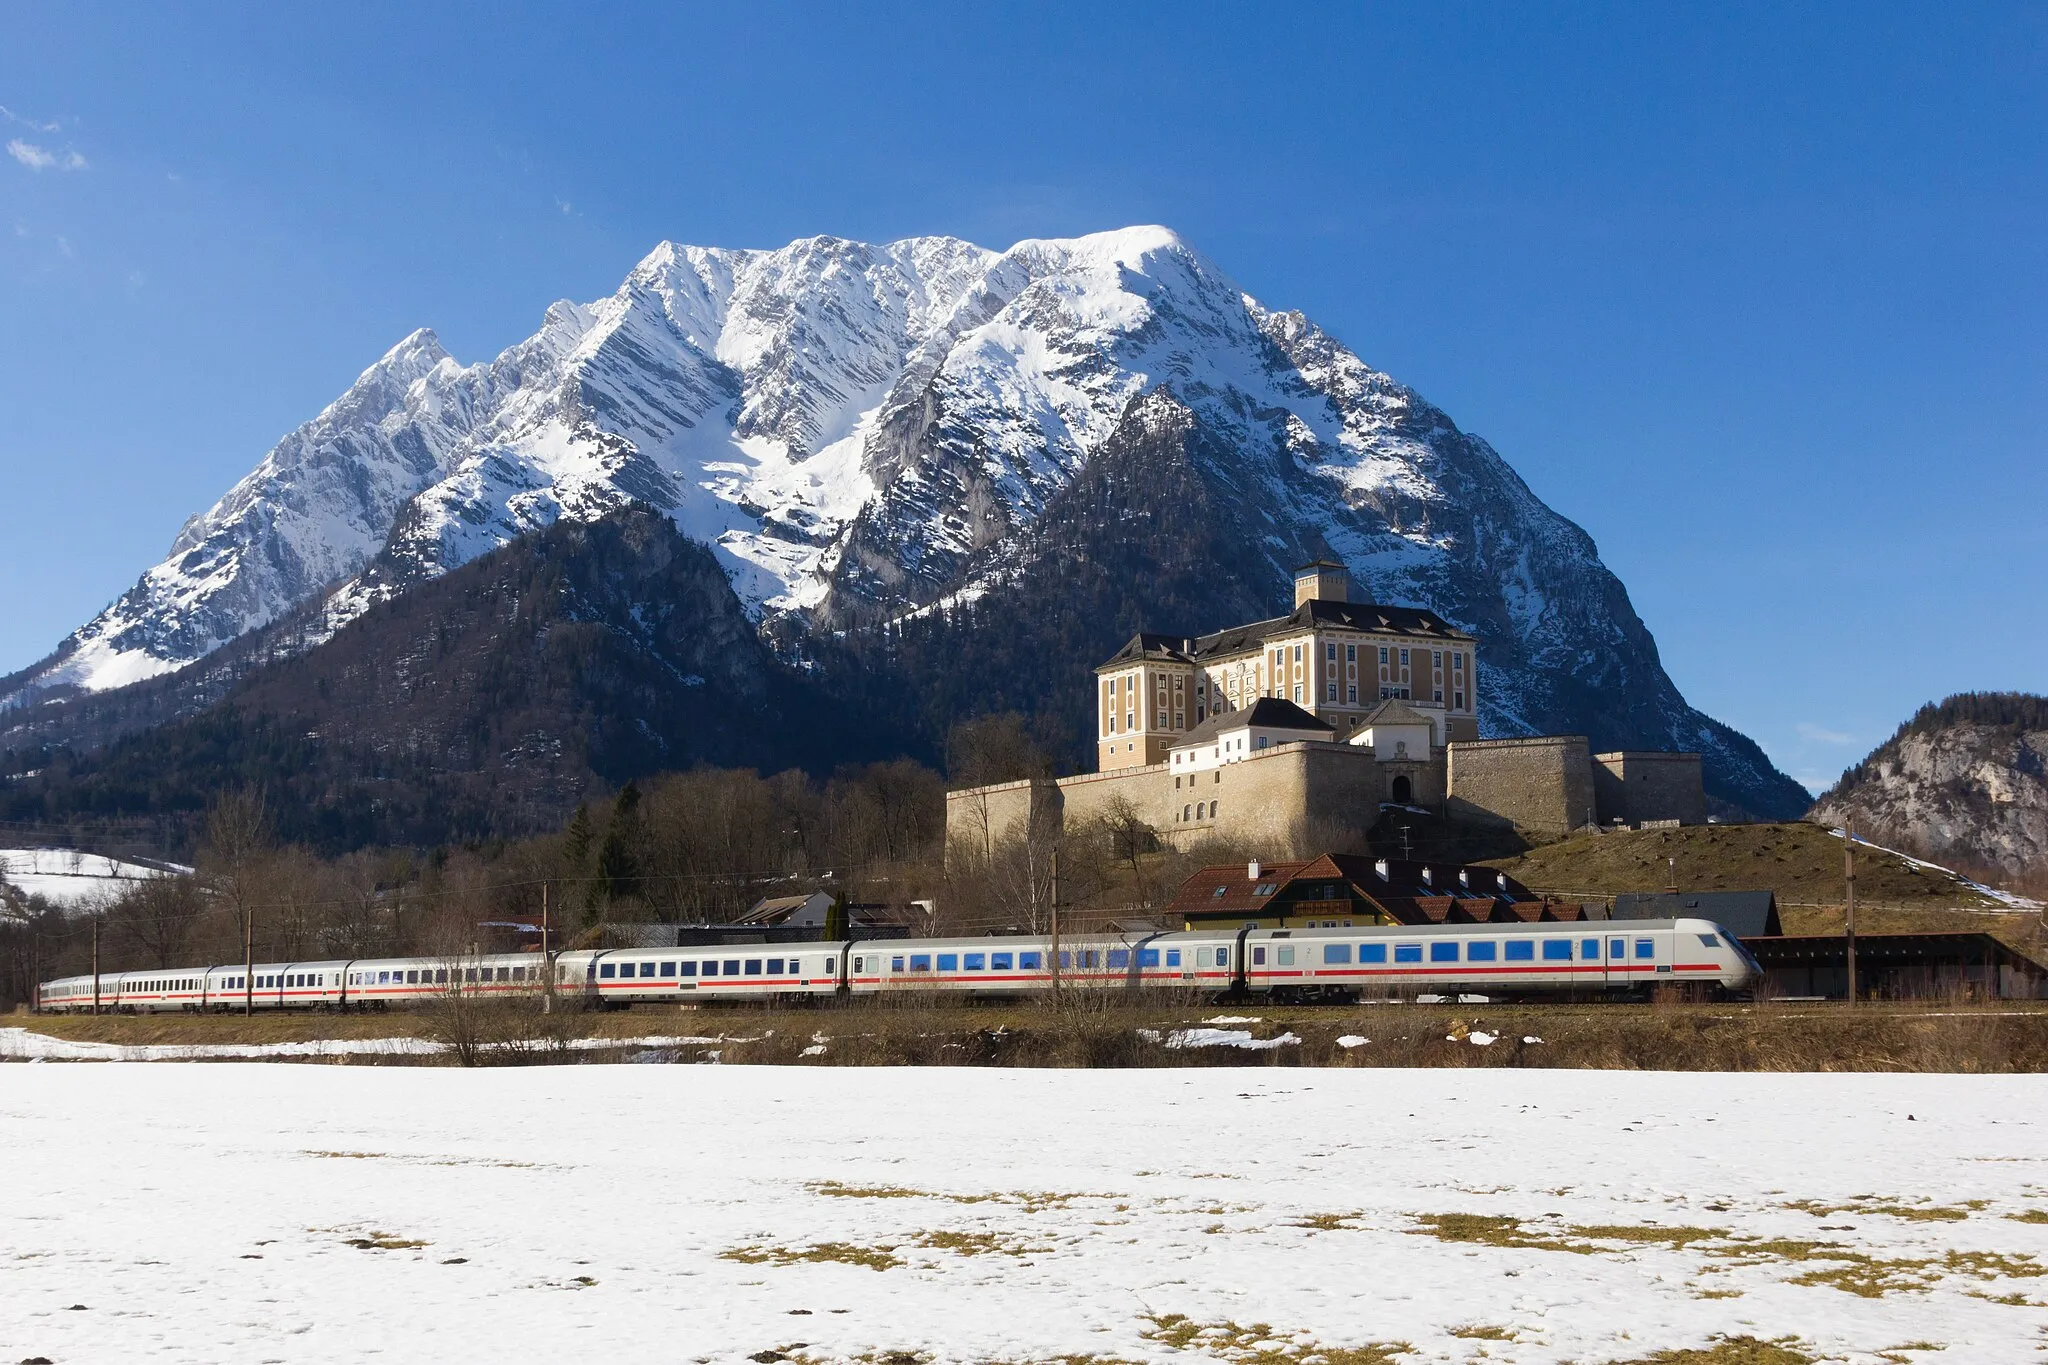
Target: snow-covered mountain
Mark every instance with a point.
(860, 430)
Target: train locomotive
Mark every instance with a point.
(1593, 959)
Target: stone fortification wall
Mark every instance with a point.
(1635, 785)
(1543, 784)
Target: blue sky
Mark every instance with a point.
(1753, 293)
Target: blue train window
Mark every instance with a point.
(1336, 952)
(383, 979)
(710, 969)
(1407, 952)
(775, 966)
(1590, 949)
(920, 962)
(1520, 950)
(732, 966)
(949, 962)
(1091, 958)
(1372, 952)
(1223, 957)
(1173, 957)
(1481, 952)
(608, 970)
(412, 978)
(1709, 941)
(895, 964)
(646, 969)
(668, 969)
(1617, 948)
(753, 966)
(1030, 962)
(974, 962)
(999, 962)
(1557, 950)
(1066, 960)
(1148, 957)
(1443, 952)
(1258, 957)
(1119, 957)
(1646, 947)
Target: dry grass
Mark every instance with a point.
(2002, 1038)
(821, 1253)
(1730, 1351)
(1802, 863)
(1260, 1344)
(1870, 1206)
(1497, 1230)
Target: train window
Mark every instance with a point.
(949, 962)
(668, 969)
(1066, 960)
(608, 971)
(1258, 957)
(412, 976)
(647, 969)
(1443, 952)
(688, 968)
(1148, 957)
(1000, 962)
(753, 966)
(860, 964)
(1481, 952)
(1589, 949)
(1407, 952)
(1173, 957)
(441, 975)
(1709, 941)
(1646, 947)
(1119, 959)
(974, 962)
(469, 974)
(919, 962)
(383, 978)
(1617, 948)
(1520, 950)
(1283, 957)
(1336, 952)
(775, 966)
(1557, 950)
(732, 966)
(1091, 958)
(1223, 957)
(1030, 962)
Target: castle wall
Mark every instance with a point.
(1635, 785)
(1542, 784)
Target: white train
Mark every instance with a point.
(1595, 958)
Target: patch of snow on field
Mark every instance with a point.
(27, 1045)
(238, 1214)
(66, 877)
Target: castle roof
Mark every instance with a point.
(1314, 613)
(1269, 713)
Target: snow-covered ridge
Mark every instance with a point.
(862, 430)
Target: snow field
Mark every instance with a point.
(231, 1213)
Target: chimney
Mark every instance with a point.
(1426, 879)
(1321, 581)
(1381, 867)
(1251, 870)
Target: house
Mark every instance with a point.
(1237, 735)
(1959, 966)
(1338, 889)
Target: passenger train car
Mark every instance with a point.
(1588, 959)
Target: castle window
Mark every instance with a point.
(1330, 691)
(1439, 694)
(1297, 692)
(1436, 658)
(1352, 694)
(1187, 812)
(1351, 654)
(1383, 654)
(1461, 700)
(1330, 652)
(1404, 658)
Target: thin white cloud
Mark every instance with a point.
(42, 158)
(565, 206)
(1817, 734)
(30, 155)
(9, 116)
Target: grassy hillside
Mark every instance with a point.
(1801, 862)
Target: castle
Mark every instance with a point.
(1295, 733)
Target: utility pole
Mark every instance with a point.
(547, 965)
(95, 962)
(248, 963)
(1055, 922)
(1849, 916)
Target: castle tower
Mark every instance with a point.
(1321, 581)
